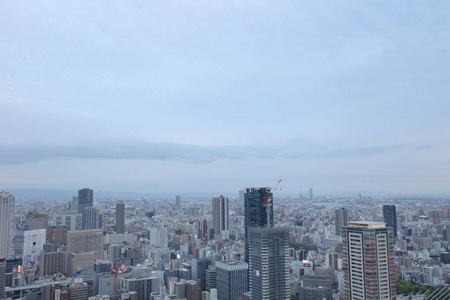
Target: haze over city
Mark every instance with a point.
(197, 96)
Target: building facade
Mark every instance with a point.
(390, 217)
(220, 217)
(85, 199)
(368, 261)
(232, 279)
(340, 219)
(269, 263)
(256, 211)
(120, 217)
(7, 205)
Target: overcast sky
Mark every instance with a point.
(183, 96)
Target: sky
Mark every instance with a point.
(214, 96)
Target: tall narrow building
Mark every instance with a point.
(269, 263)
(390, 217)
(120, 217)
(220, 217)
(7, 204)
(311, 195)
(368, 261)
(258, 211)
(93, 218)
(85, 199)
(341, 219)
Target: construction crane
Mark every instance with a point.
(277, 185)
(116, 286)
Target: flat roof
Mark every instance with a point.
(367, 224)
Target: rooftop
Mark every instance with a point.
(366, 224)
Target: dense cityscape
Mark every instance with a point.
(255, 245)
(224, 150)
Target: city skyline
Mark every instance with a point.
(213, 97)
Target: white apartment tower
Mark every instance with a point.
(7, 204)
(368, 261)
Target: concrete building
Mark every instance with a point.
(93, 220)
(158, 237)
(86, 241)
(120, 217)
(29, 242)
(390, 217)
(36, 221)
(269, 263)
(340, 219)
(256, 215)
(2, 277)
(220, 218)
(368, 261)
(193, 290)
(81, 264)
(85, 199)
(232, 279)
(7, 205)
(51, 263)
(78, 291)
(72, 221)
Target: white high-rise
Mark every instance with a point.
(7, 205)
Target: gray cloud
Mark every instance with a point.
(130, 150)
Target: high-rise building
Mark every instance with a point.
(341, 219)
(232, 279)
(368, 261)
(311, 196)
(258, 211)
(220, 213)
(85, 199)
(390, 217)
(120, 217)
(178, 200)
(269, 263)
(241, 197)
(7, 204)
(93, 218)
(86, 241)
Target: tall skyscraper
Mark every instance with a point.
(178, 200)
(231, 279)
(258, 211)
(269, 263)
(85, 199)
(93, 218)
(120, 217)
(390, 217)
(220, 213)
(7, 204)
(341, 219)
(368, 261)
(311, 196)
